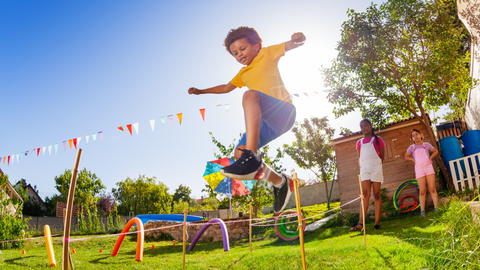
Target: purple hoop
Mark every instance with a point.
(226, 244)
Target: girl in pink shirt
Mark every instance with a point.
(419, 153)
(370, 153)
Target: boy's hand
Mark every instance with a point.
(193, 90)
(298, 38)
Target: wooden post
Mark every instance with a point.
(71, 195)
(184, 233)
(300, 219)
(250, 226)
(363, 213)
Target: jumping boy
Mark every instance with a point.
(267, 106)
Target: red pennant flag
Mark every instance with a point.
(38, 151)
(202, 112)
(75, 143)
(179, 115)
(130, 128)
(8, 163)
(121, 128)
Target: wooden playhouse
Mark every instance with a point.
(396, 169)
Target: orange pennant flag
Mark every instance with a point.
(3, 160)
(75, 143)
(202, 112)
(179, 115)
(70, 143)
(130, 128)
(121, 128)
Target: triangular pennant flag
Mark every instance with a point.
(86, 138)
(121, 128)
(170, 117)
(78, 141)
(70, 143)
(129, 126)
(162, 119)
(64, 145)
(227, 107)
(74, 143)
(26, 153)
(21, 154)
(179, 116)
(8, 163)
(152, 124)
(94, 137)
(297, 95)
(291, 96)
(49, 150)
(202, 112)
(56, 148)
(3, 160)
(135, 126)
(315, 92)
(38, 151)
(43, 150)
(218, 103)
(305, 94)
(18, 158)
(101, 135)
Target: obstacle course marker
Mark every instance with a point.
(300, 220)
(49, 246)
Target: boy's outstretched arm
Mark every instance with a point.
(219, 89)
(297, 40)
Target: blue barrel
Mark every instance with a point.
(471, 146)
(450, 150)
(471, 142)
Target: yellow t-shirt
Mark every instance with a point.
(262, 74)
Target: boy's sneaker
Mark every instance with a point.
(245, 168)
(282, 195)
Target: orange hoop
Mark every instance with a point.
(140, 236)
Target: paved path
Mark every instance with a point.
(315, 225)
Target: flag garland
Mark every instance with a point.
(74, 143)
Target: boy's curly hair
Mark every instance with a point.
(248, 33)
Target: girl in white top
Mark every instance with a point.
(371, 151)
(419, 153)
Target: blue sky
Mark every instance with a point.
(72, 68)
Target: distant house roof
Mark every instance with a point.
(24, 185)
(393, 125)
(10, 190)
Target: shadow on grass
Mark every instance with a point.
(15, 261)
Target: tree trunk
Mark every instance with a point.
(438, 158)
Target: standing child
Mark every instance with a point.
(267, 106)
(424, 172)
(370, 151)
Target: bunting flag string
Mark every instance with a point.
(76, 141)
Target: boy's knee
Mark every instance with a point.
(377, 195)
(251, 95)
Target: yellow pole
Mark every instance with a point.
(363, 213)
(69, 211)
(184, 234)
(48, 244)
(250, 227)
(300, 220)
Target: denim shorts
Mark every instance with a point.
(278, 117)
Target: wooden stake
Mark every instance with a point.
(363, 213)
(184, 234)
(250, 226)
(300, 220)
(69, 210)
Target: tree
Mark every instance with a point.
(182, 193)
(142, 196)
(311, 150)
(401, 59)
(260, 194)
(106, 203)
(87, 188)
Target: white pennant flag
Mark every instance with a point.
(44, 148)
(86, 138)
(218, 103)
(94, 137)
(56, 148)
(227, 107)
(152, 124)
(136, 127)
(78, 141)
(49, 150)
(18, 158)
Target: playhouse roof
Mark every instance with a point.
(391, 126)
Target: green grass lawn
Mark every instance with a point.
(404, 242)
